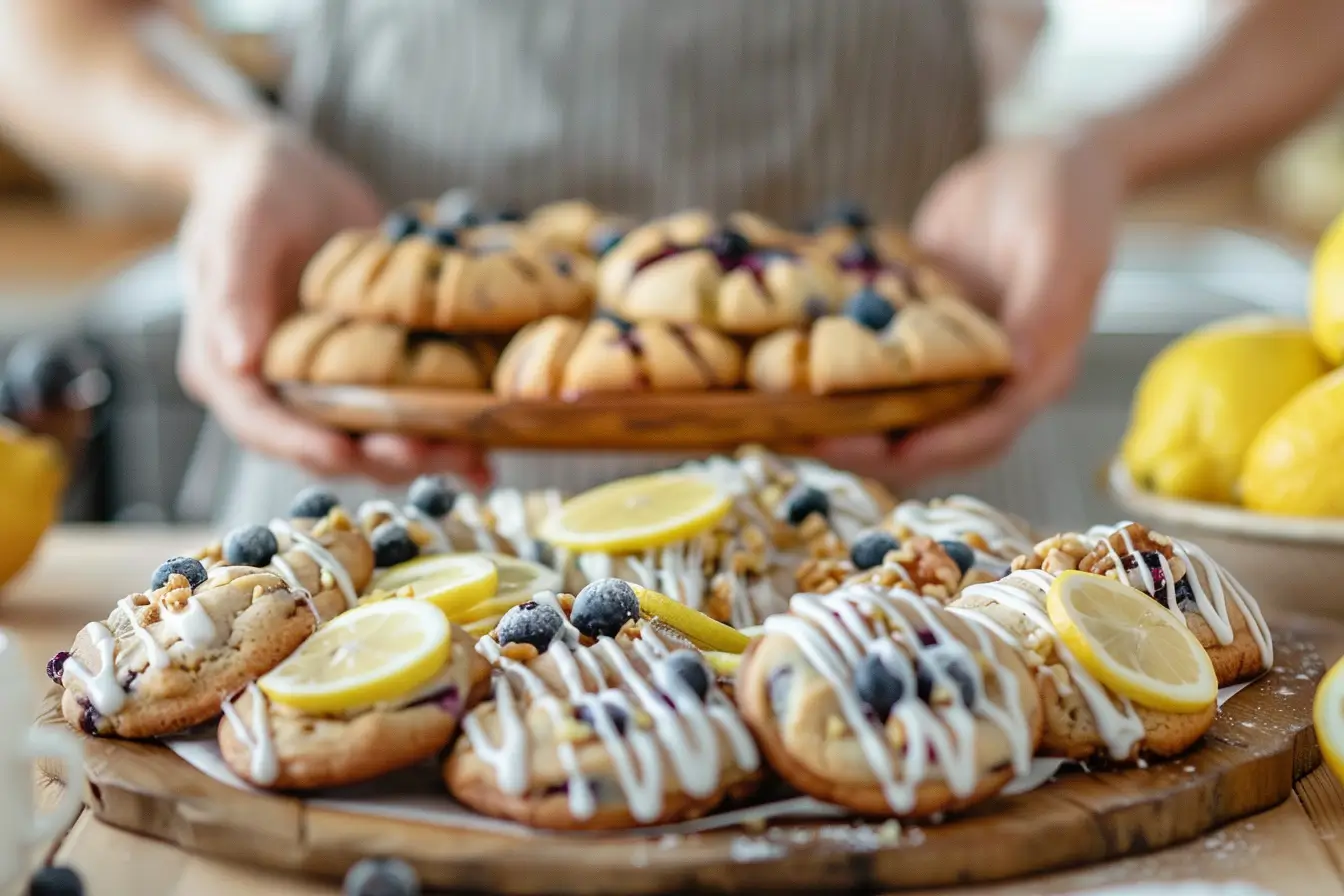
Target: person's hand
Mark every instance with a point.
(262, 204)
(1028, 228)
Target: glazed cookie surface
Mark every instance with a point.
(885, 703)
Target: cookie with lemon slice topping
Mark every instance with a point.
(379, 688)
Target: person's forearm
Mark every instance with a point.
(77, 87)
(1278, 63)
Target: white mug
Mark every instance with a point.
(21, 826)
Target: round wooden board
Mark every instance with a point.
(1261, 743)
(645, 420)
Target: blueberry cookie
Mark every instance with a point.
(1217, 609)
(427, 276)
(601, 720)
(887, 704)
(742, 275)
(274, 746)
(324, 348)
(1084, 718)
(564, 357)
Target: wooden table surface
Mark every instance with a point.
(1296, 848)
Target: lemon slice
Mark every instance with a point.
(634, 514)
(1327, 712)
(372, 653)
(452, 582)
(702, 631)
(1132, 643)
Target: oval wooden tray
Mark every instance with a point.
(649, 420)
(1261, 743)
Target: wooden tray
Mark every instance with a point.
(1261, 743)
(649, 420)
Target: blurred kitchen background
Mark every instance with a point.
(91, 262)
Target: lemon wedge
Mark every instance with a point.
(1132, 643)
(372, 653)
(452, 582)
(1327, 712)
(705, 633)
(639, 513)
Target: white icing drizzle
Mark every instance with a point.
(853, 509)
(1025, 591)
(287, 534)
(264, 767)
(835, 631)
(682, 736)
(468, 510)
(403, 516)
(105, 693)
(1213, 587)
(953, 518)
(191, 625)
(510, 510)
(158, 657)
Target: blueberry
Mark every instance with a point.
(313, 503)
(1153, 561)
(530, 623)
(443, 237)
(55, 880)
(603, 607)
(399, 225)
(871, 548)
(183, 566)
(381, 877)
(604, 241)
(876, 686)
(951, 662)
(40, 373)
(727, 244)
(432, 495)
(89, 718)
(804, 501)
(860, 256)
(870, 308)
(9, 402)
(619, 718)
(690, 668)
(1185, 596)
(469, 218)
(392, 544)
(250, 546)
(508, 216)
(850, 214)
(961, 554)
(620, 323)
(56, 666)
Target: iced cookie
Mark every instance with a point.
(381, 688)
(919, 564)
(432, 277)
(887, 704)
(319, 347)
(742, 275)
(564, 357)
(996, 537)
(1217, 609)
(600, 720)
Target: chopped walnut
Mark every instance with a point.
(895, 731)
(213, 554)
(836, 728)
(1056, 554)
(335, 521)
(175, 592)
(519, 652)
(574, 732)
(719, 606)
(1101, 559)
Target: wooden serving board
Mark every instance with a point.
(644, 420)
(1261, 743)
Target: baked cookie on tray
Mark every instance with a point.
(428, 276)
(887, 704)
(602, 719)
(327, 349)
(378, 689)
(562, 357)
(742, 275)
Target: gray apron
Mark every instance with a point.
(643, 107)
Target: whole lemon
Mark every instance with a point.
(1294, 464)
(1201, 401)
(1327, 293)
(32, 476)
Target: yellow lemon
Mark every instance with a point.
(1131, 643)
(452, 582)
(1327, 713)
(1295, 466)
(635, 514)
(1203, 398)
(32, 477)
(702, 631)
(373, 653)
(1327, 293)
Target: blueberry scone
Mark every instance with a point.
(378, 689)
(565, 357)
(428, 276)
(887, 704)
(325, 348)
(601, 719)
(742, 275)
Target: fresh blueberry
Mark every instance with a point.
(871, 548)
(392, 544)
(40, 373)
(55, 880)
(961, 554)
(952, 664)
(432, 495)
(619, 718)
(89, 718)
(603, 607)
(690, 668)
(604, 241)
(1153, 561)
(183, 566)
(56, 666)
(1185, 596)
(250, 546)
(531, 623)
(860, 256)
(508, 216)
(850, 214)
(727, 244)
(876, 686)
(469, 218)
(870, 308)
(620, 323)
(399, 225)
(443, 237)
(804, 501)
(381, 877)
(313, 503)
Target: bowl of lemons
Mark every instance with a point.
(1236, 440)
(32, 475)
